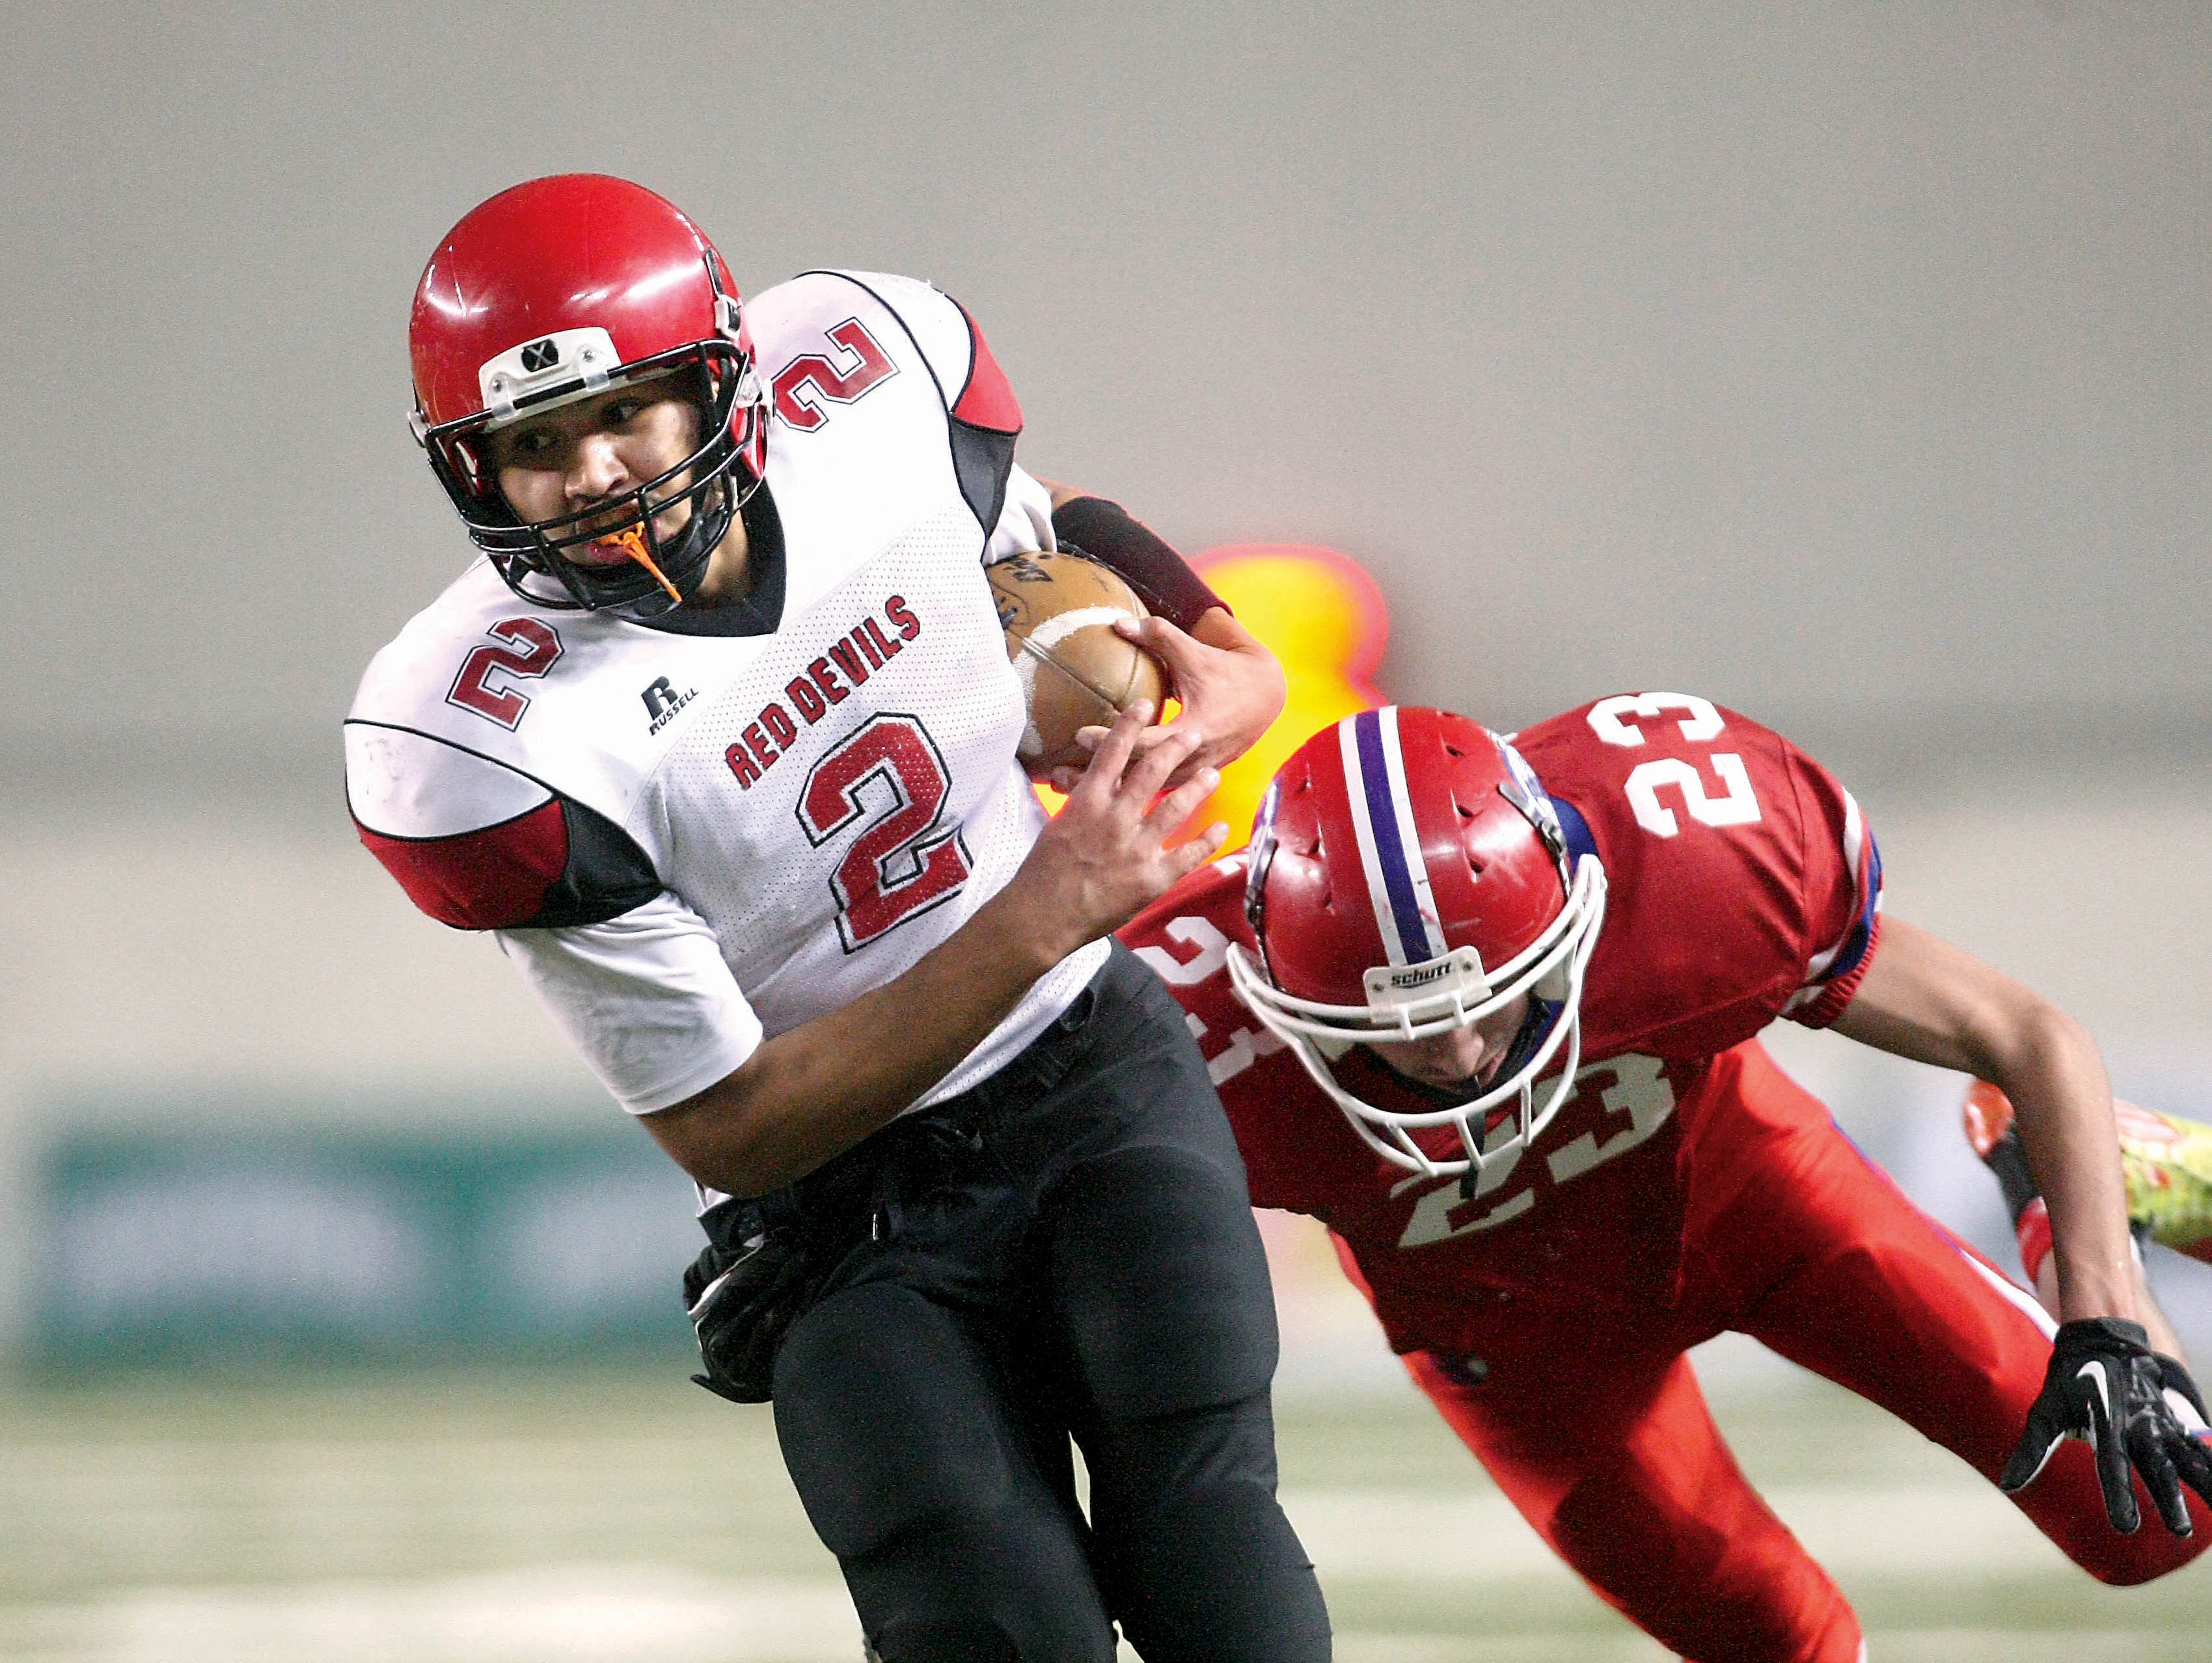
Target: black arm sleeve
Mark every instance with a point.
(1104, 530)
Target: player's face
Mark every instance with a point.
(561, 462)
(1465, 1056)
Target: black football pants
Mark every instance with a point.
(1066, 1249)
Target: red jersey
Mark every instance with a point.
(1742, 887)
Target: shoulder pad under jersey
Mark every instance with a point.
(1739, 874)
(975, 390)
(816, 339)
(478, 845)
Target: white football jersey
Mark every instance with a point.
(688, 841)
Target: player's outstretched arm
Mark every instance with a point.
(1924, 999)
(1927, 999)
(809, 1094)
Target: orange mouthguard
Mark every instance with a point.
(630, 541)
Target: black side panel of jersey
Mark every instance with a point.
(983, 461)
(982, 457)
(607, 875)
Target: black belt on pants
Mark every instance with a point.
(857, 1194)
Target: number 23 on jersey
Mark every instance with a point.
(1737, 805)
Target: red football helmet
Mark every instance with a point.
(1408, 875)
(556, 290)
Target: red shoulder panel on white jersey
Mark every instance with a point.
(494, 879)
(478, 845)
(827, 337)
(987, 400)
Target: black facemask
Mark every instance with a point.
(529, 555)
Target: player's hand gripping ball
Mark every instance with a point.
(1058, 612)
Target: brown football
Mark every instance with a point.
(1058, 612)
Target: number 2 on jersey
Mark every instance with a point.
(1701, 724)
(529, 649)
(802, 383)
(904, 861)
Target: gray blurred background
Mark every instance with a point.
(1848, 365)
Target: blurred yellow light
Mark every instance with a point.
(1325, 619)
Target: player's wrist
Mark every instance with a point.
(1256, 683)
(2116, 1333)
(2087, 1296)
(1026, 928)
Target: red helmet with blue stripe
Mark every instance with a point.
(1409, 877)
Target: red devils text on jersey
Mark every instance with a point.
(1743, 886)
(689, 840)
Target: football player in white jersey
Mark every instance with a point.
(718, 737)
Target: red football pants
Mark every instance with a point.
(1602, 1438)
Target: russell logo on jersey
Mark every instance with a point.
(855, 655)
(662, 702)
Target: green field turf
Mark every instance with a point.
(618, 1515)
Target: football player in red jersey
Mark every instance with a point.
(720, 738)
(1488, 1008)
